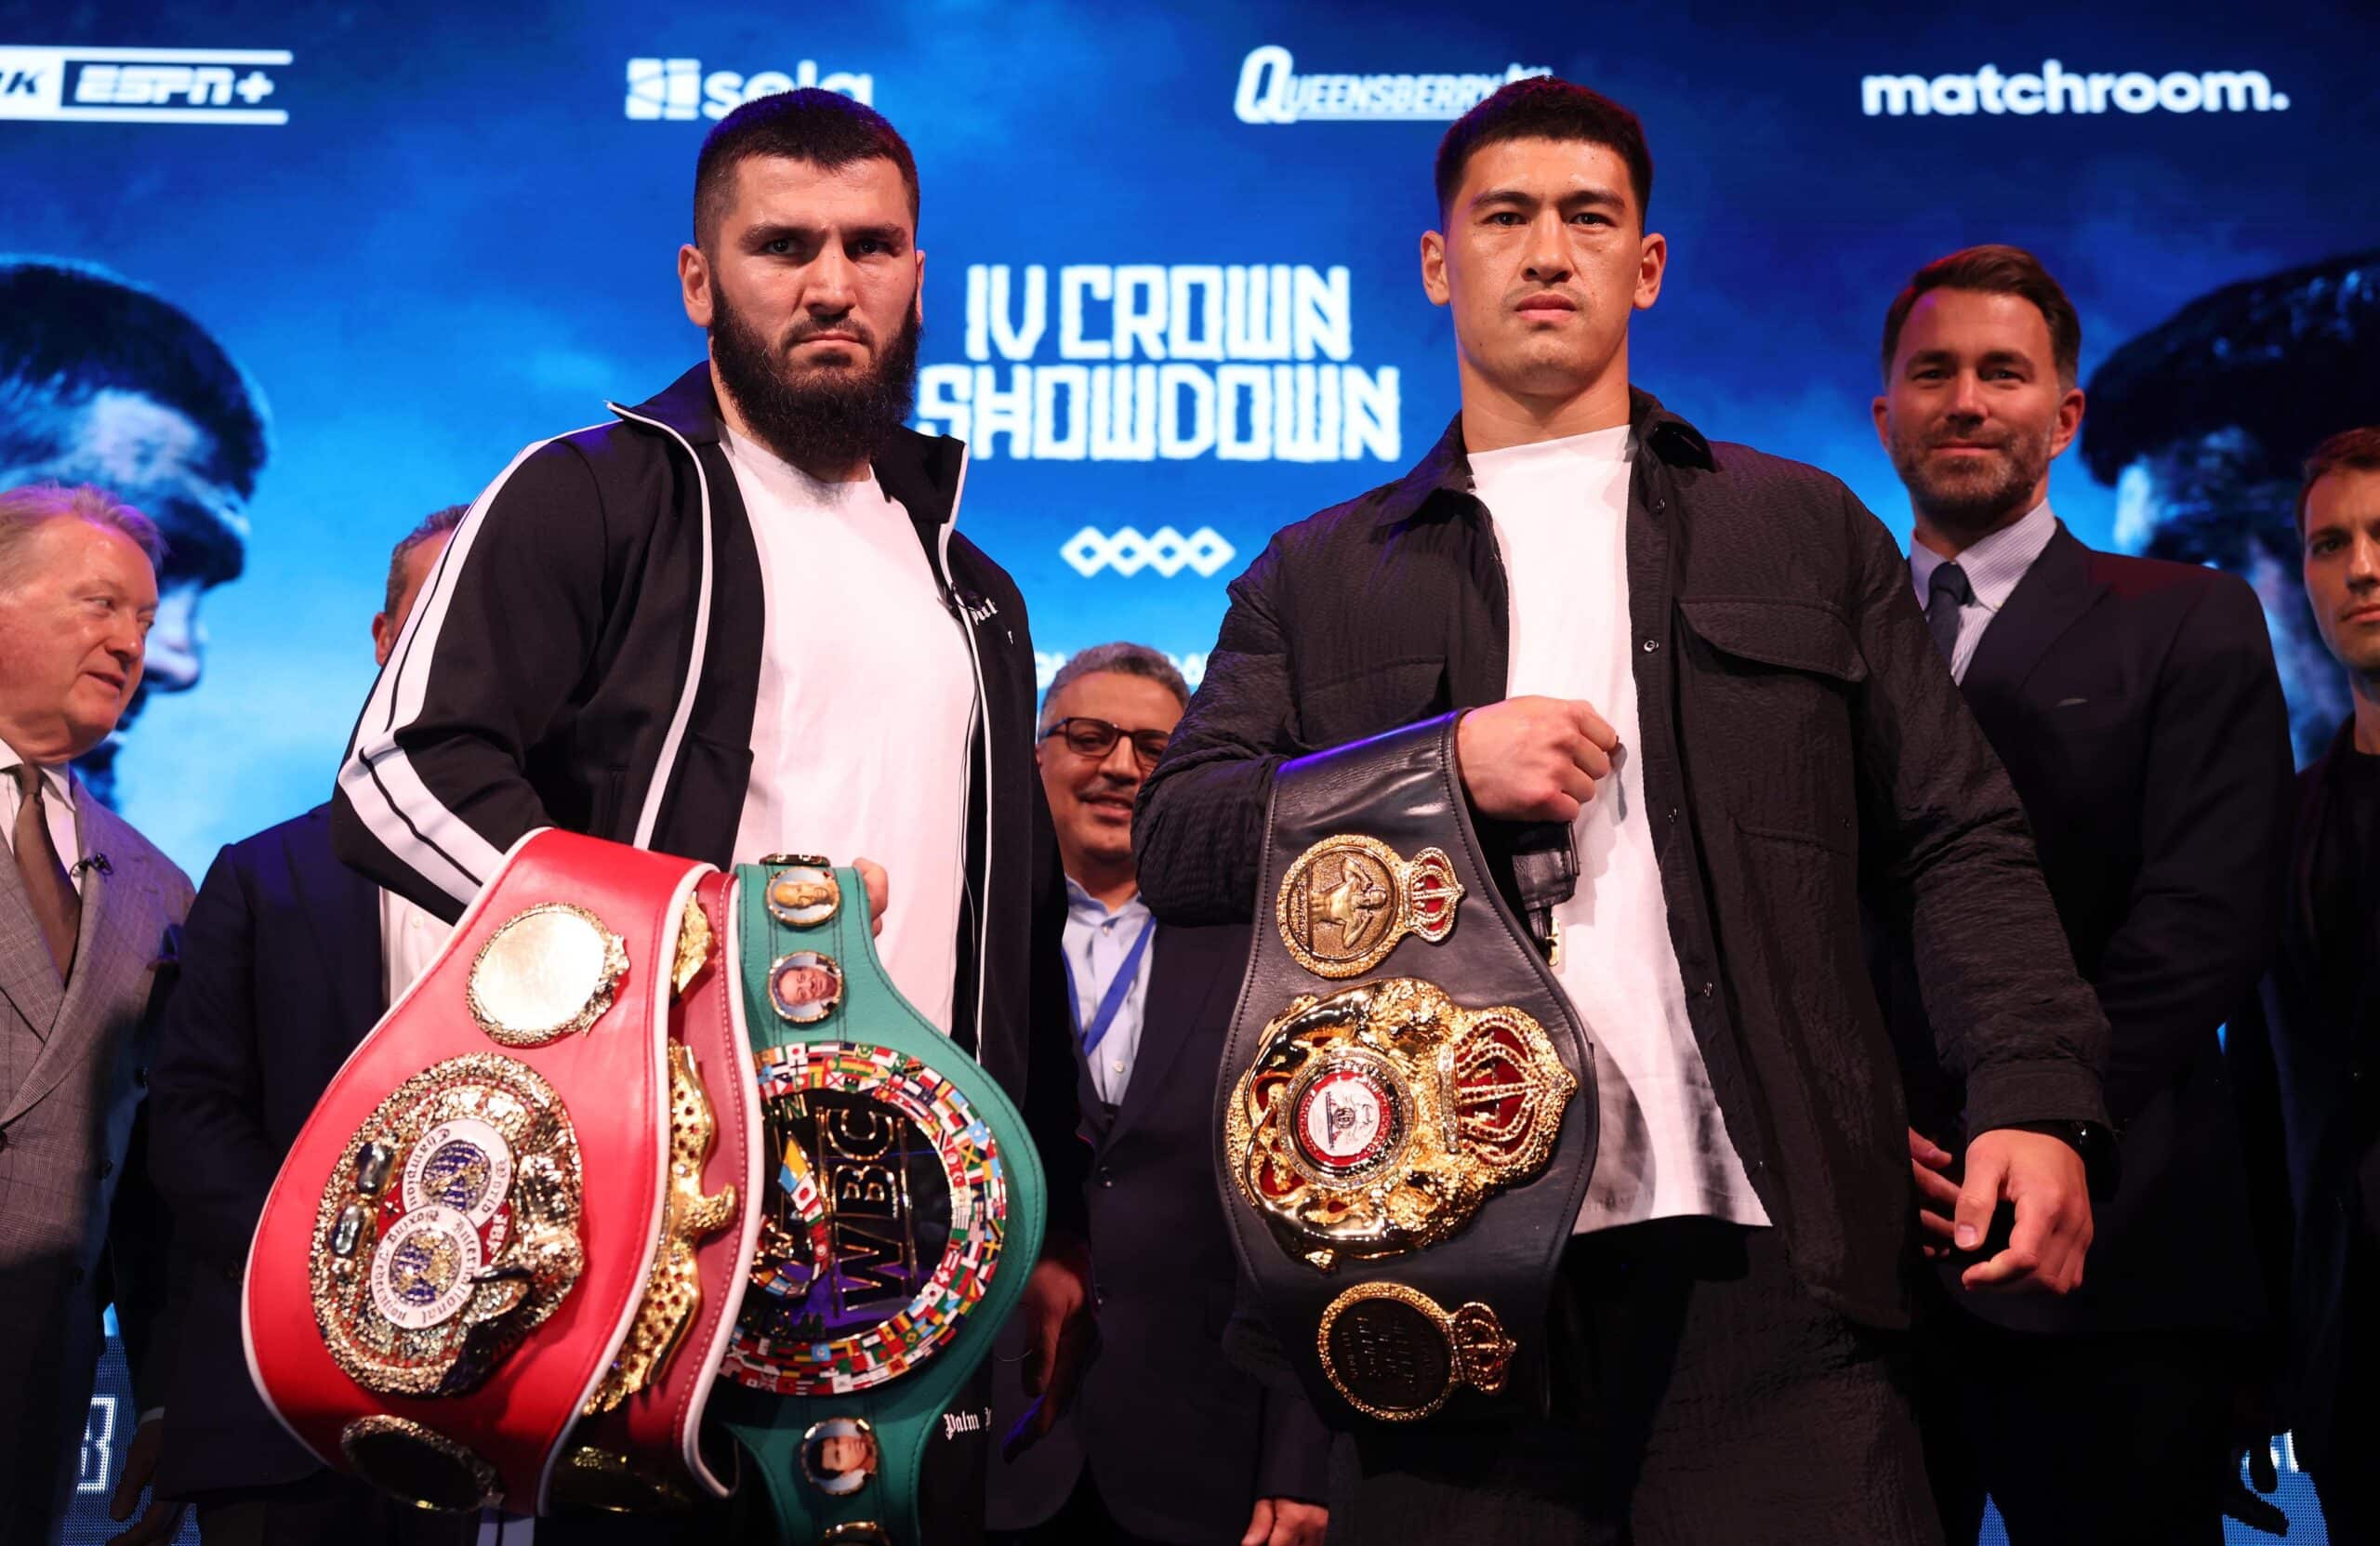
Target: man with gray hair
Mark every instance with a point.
(1239, 1461)
(88, 915)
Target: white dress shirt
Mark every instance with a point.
(861, 733)
(410, 940)
(57, 809)
(1993, 567)
(1097, 941)
(1560, 510)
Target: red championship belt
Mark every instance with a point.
(637, 1448)
(458, 1246)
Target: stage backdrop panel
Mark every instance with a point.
(1171, 288)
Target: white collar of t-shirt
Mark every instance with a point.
(1595, 445)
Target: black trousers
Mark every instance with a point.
(1083, 1521)
(324, 1508)
(2085, 1439)
(1700, 1398)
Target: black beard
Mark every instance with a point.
(824, 420)
(1974, 506)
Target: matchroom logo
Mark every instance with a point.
(1271, 91)
(2059, 90)
(141, 85)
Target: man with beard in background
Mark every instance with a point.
(738, 622)
(2134, 704)
(103, 383)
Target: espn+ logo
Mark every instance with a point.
(680, 90)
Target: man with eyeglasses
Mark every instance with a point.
(1168, 1441)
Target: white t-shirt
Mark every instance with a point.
(860, 738)
(1560, 511)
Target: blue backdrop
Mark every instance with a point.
(1171, 285)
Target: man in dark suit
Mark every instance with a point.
(2136, 705)
(285, 970)
(1167, 1441)
(88, 910)
(2323, 999)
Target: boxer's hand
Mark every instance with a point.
(1937, 1194)
(161, 1520)
(2044, 1179)
(1056, 1314)
(1533, 759)
(1285, 1522)
(879, 891)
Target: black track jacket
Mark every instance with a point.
(586, 656)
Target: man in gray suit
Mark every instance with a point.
(87, 915)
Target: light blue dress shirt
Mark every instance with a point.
(1097, 941)
(1993, 566)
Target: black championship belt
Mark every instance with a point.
(1407, 1114)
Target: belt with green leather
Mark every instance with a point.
(902, 1212)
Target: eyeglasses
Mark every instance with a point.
(1096, 738)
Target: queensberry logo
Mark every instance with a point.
(1271, 91)
(2054, 88)
(141, 85)
(679, 89)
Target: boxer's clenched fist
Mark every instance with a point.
(1533, 759)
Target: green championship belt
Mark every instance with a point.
(902, 1210)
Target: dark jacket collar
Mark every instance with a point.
(922, 471)
(2055, 590)
(1447, 467)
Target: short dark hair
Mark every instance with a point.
(1543, 108)
(825, 128)
(70, 331)
(2349, 450)
(436, 524)
(1994, 269)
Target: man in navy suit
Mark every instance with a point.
(1166, 1440)
(2136, 705)
(284, 971)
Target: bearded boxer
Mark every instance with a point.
(644, 631)
(1705, 663)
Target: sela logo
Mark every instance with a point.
(679, 90)
(1165, 550)
(1271, 91)
(2056, 89)
(141, 85)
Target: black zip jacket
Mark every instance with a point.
(586, 656)
(1798, 730)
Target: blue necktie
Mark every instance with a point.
(1945, 594)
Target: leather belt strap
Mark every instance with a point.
(902, 1210)
(1406, 1111)
(459, 1240)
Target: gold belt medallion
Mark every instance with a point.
(1395, 1354)
(1347, 899)
(1377, 1119)
(548, 972)
(452, 1231)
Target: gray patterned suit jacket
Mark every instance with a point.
(79, 1226)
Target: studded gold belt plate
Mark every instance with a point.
(1377, 1119)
